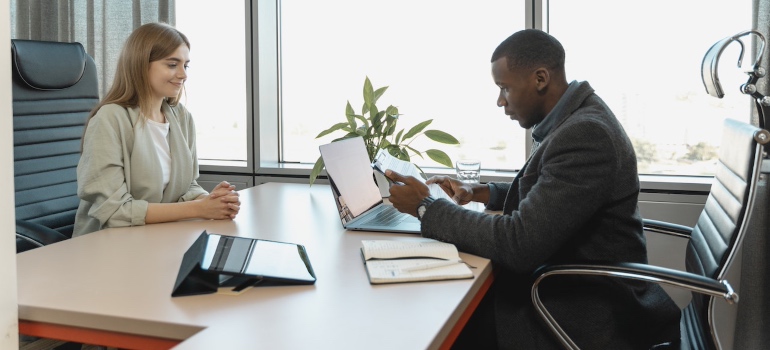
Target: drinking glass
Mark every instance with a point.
(468, 170)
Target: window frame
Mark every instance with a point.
(213, 166)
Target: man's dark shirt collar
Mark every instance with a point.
(558, 113)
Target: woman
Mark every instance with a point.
(139, 163)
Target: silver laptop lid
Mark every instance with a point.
(350, 172)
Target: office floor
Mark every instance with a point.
(31, 343)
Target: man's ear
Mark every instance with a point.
(543, 78)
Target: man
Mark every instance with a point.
(574, 201)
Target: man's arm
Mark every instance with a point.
(562, 190)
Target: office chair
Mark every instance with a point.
(711, 78)
(715, 238)
(54, 88)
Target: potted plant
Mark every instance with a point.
(378, 129)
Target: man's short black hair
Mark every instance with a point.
(531, 48)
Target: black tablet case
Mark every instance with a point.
(193, 279)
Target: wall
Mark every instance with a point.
(209, 181)
(9, 326)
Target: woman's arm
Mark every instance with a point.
(101, 170)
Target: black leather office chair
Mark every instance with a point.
(710, 250)
(718, 233)
(54, 88)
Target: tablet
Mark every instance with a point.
(258, 258)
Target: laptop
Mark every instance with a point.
(355, 191)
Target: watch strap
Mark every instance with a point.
(425, 202)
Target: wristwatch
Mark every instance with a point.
(423, 206)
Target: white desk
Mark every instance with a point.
(114, 287)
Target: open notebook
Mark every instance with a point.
(356, 194)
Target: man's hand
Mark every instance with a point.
(460, 192)
(406, 197)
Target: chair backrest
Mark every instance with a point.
(54, 88)
(723, 223)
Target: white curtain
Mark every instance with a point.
(100, 25)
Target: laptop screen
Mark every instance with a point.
(345, 215)
(347, 163)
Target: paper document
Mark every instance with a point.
(384, 161)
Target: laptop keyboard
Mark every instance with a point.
(388, 216)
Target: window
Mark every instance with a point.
(644, 61)
(217, 79)
(644, 58)
(433, 55)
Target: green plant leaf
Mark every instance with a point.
(378, 93)
(390, 125)
(417, 128)
(334, 128)
(424, 176)
(363, 120)
(380, 115)
(394, 150)
(440, 157)
(347, 136)
(391, 110)
(442, 137)
(364, 109)
(319, 165)
(390, 130)
(351, 116)
(371, 148)
(349, 110)
(416, 152)
(368, 92)
(377, 119)
(391, 118)
(376, 116)
(398, 137)
(403, 154)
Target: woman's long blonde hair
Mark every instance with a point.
(131, 87)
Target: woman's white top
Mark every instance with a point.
(159, 135)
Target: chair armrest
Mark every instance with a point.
(667, 228)
(30, 235)
(645, 272)
(637, 271)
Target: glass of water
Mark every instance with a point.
(468, 171)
